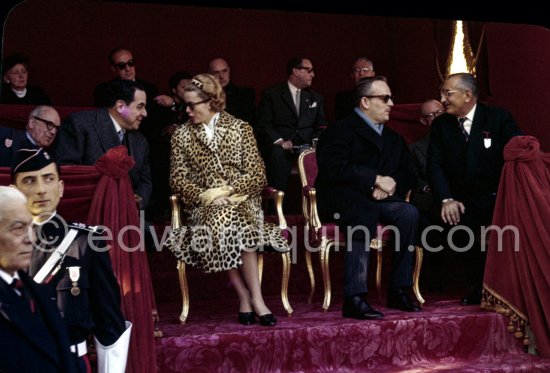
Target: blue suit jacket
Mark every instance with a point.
(28, 344)
(87, 135)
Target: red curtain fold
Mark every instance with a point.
(517, 283)
(478, 41)
(114, 206)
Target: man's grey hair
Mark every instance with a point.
(467, 82)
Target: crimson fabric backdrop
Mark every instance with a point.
(69, 43)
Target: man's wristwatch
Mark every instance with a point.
(446, 200)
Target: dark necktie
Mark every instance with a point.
(18, 285)
(297, 101)
(462, 129)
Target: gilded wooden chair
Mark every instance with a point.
(268, 194)
(324, 236)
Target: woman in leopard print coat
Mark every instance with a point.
(217, 172)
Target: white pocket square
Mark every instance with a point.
(313, 105)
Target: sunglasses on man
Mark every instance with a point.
(122, 65)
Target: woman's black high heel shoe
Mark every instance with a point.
(247, 318)
(267, 320)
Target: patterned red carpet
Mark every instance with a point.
(445, 337)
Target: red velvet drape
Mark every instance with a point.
(517, 283)
(117, 210)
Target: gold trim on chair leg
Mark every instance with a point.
(325, 270)
(260, 267)
(416, 274)
(284, 283)
(184, 291)
(311, 276)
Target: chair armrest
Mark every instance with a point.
(176, 211)
(270, 193)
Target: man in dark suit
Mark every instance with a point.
(344, 102)
(290, 115)
(464, 165)
(239, 101)
(79, 274)
(85, 136)
(33, 337)
(364, 175)
(40, 131)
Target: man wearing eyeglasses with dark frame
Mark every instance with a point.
(40, 132)
(344, 102)
(465, 160)
(123, 65)
(290, 116)
(364, 176)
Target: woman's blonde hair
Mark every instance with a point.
(208, 87)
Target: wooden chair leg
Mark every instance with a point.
(416, 274)
(184, 291)
(284, 283)
(325, 270)
(311, 276)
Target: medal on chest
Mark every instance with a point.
(74, 275)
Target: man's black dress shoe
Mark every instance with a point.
(267, 320)
(247, 318)
(357, 308)
(398, 298)
(474, 297)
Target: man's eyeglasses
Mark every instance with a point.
(384, 98)
(122, 65)
(433, 115)
(362, 69)
(308, 69)
(449, 92)
(49, 124)
(191, 105)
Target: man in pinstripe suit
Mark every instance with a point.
(87, 135)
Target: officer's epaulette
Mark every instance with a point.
(88, 228)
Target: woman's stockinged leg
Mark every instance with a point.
(249, 270)
(236, 279)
